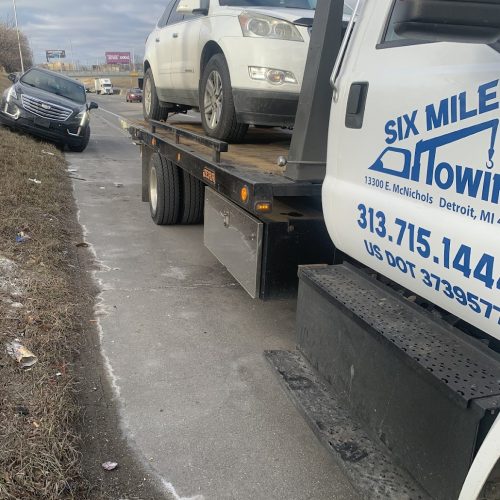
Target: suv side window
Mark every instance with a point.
(390, 38)
(175, 17)
(163, 19)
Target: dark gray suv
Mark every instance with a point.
(48, 105)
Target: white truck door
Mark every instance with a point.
(413, 174)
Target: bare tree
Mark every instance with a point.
(9, 49)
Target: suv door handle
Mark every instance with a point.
(157, 40)
(175, 35)
(356, 103)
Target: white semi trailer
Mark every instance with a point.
(103, 86)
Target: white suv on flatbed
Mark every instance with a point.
(240, 62)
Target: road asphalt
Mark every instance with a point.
(183, 344)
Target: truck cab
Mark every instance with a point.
(412, 184)
(104, 86)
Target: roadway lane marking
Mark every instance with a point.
(121, 119)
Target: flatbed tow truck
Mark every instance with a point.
(281, 219)
(399, 383)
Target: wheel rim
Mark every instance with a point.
(213, 99)
(153, 189)
(147, 96)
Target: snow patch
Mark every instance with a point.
(170, 488)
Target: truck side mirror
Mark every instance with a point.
(473, 21)
(93, 105)
(12, 77)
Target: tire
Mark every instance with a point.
(79, 148)
(218, 115)
(164, 191)
(151, 108)
(192, 200)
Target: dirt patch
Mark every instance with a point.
(57, 420)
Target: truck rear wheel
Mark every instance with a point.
(164, 191)
(151, 107)
(193, 199)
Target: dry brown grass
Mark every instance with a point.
(38, 446)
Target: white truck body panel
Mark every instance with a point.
(414, 193)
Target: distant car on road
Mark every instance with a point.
(50, 106)
(134, 95)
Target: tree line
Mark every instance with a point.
(10, 60)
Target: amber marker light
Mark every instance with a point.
(244, 194)
(178, 157)
(153, 141)
(263, 206)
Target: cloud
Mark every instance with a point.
(86, 29)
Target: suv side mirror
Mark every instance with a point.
(193, 7)
(93, 105)
(473, 21)
(12, 77)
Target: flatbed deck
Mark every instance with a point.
(226, 167)
(260, 151)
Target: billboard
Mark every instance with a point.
(55, 54)
(118, 58)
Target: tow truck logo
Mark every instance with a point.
(468, 181)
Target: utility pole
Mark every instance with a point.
(18, 37)
(72, 55)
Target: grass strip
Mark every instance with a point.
(39, 305)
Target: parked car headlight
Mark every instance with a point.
(12, 94)
(82, 116)
(261, 26)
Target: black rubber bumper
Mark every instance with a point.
(56, 132)
(275, 109)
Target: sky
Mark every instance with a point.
(86, 29)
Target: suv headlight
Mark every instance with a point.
(272, 75)
(261, 26)
(11, 93)
(82, 116)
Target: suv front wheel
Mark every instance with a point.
(218, 115)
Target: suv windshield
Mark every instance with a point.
(55, 85)
(290, 4)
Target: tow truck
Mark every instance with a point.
(397, 367)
